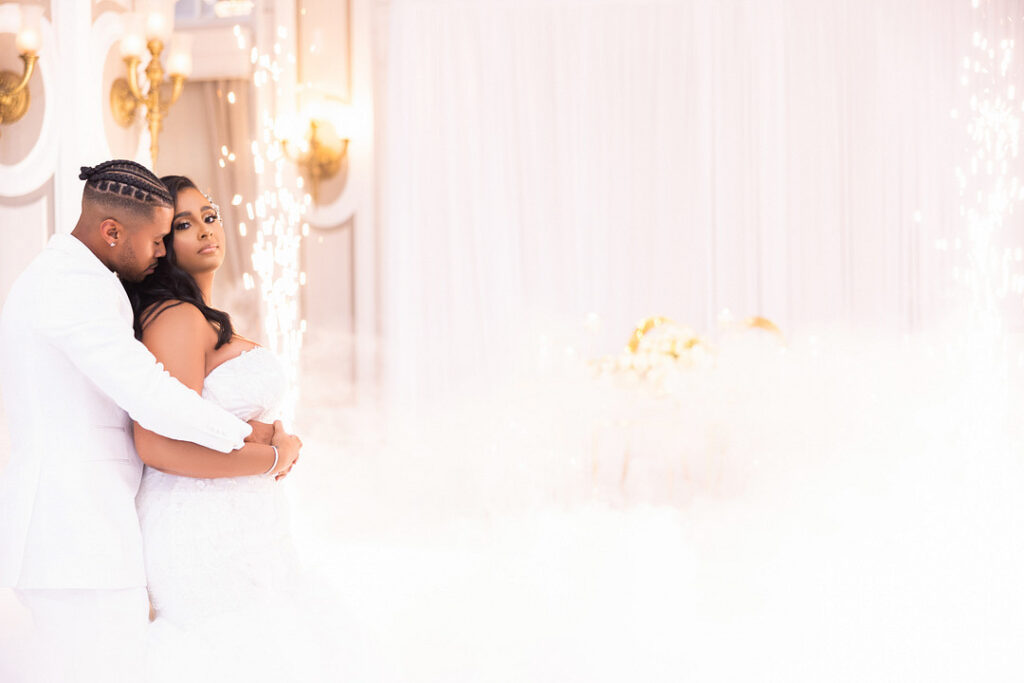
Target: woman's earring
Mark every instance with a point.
(112, 244)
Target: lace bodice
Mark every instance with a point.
(215, 546)
(251, 385)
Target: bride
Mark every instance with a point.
(220, 566)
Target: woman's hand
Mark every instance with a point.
(288, 447)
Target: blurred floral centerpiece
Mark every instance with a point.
(658, 350)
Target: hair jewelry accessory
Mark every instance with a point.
(213, 205)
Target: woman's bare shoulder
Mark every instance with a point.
(175, 318)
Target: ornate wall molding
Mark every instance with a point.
(40, 163)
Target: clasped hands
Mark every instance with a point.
(288, 445)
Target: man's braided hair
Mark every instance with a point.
(126, 185)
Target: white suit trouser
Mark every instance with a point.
(85, 636)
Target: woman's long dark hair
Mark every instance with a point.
(170, 282)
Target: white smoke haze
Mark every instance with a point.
(842, 508)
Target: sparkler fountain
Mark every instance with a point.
(989, 187)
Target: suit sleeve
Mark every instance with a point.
(84, 317)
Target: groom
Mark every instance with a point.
(73, 378)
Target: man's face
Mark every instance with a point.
(143, 244)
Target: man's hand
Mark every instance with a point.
(261, 433)
(288, 447)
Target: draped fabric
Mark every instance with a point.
(546, 160)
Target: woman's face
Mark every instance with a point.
(198, 233)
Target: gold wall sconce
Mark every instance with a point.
(148, 32)
(317, 141)
(14, 98)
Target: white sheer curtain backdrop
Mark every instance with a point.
(549, 159)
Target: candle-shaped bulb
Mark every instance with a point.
(293, 130)
(133, 40)
(341, 118)
(159, 16)
(30, 34)
(179, 60)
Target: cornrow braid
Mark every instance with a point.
(125, 184)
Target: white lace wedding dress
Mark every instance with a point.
(223, 577)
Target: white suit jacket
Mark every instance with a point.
(72, 373)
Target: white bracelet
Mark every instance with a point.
(274, 466)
